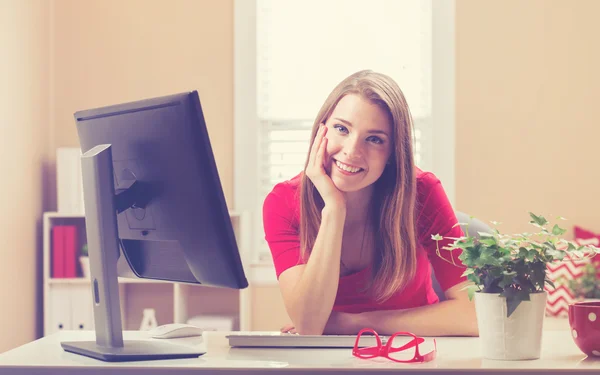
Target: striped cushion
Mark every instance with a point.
(559, 298)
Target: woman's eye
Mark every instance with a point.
(375, 140)
(340, 128)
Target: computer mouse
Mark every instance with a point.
(175, 330)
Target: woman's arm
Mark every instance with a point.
(309, 290)
(453, 317)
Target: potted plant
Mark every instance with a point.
(508, 275)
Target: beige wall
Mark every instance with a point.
(267, 310)
(24, 128)
(527, 126)
(112, 51)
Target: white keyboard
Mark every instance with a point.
(290, 340)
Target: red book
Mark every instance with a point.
(70, 245)
(58, 252)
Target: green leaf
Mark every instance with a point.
(474, 278)
(551, 283)
(436, 237)
(490, 241)
(496, 272)
(538, 274)
(463, 244)
(467, 272)
(558, 255)
(506, 280)
(487, 258)
(539, 220)
(523, 252)
(536, 246)
(511, 304)
(558, 231)
(504, 252)
(471, 291)
(513, 299)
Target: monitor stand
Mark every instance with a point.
(103, 246)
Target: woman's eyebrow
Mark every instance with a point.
(372, 131)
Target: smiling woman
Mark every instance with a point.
(350, 237)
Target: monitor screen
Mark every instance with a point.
(180, 229)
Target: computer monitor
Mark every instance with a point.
(154, 209)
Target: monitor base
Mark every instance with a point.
(132, 350)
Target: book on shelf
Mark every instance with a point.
(64, 251)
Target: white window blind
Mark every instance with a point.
(305, 48)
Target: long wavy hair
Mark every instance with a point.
(393, 202)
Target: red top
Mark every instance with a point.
(281, 212)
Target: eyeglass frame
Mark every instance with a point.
(383, 350)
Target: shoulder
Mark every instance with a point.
(284, 199)
(427, 183)
(433, 209)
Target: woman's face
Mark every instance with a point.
(359, 143)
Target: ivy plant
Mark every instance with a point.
(512, 265)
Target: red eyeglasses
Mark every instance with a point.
(400, 347)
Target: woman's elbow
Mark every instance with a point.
(472, 329)
(469, 316)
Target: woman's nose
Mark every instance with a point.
(352, 148)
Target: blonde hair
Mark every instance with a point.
(393, 211)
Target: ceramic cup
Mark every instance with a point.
(584, 320)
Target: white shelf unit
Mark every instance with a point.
(68, 302)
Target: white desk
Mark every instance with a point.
(455, 355)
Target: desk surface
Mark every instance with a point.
(455, 355)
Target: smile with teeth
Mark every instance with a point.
(347, 168)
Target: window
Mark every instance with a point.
(291, 54)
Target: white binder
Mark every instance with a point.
(59, 318)
(82, 312)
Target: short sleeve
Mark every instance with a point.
(281, 228)
(436, 216)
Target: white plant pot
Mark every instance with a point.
(518, 337)
(85, 266)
